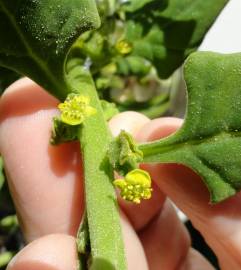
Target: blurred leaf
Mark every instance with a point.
(133, 65)
(7, 77)
(166, 32)
(6, 204)
(9, 222)
(133, 5)
(155, 111)
(5, 258)
(107, 7)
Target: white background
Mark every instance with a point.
(225, 34)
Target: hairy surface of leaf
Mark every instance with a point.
(37, 35)
(209, 141)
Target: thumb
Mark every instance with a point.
(52, 252)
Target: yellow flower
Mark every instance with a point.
(75, 109)
(123, 47)
(135, 186)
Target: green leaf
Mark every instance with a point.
(166, 32)
(133, 5)
(37, 35)
(133, 65)
(209, 141)
(5, 258)
(9, 223)
(107, 8)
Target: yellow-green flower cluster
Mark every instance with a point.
(123, 47)
(75, 109)
(135, 186)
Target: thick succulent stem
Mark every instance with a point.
(107, 249)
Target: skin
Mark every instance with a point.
(47, 187)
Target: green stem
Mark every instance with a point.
(5, 258)
(107, 249)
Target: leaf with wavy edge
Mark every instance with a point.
(209, 141)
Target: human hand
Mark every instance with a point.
(47, 188)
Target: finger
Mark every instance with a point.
(134, 251)
(45, 181)
(58, 252)
(166, 241)
(51, 252)
(129, 121)
(219, 224)
(141, 214)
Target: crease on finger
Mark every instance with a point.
(194, 261)
(166, 241)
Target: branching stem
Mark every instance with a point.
(107, 249)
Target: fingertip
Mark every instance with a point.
(24, 97)
(129, 121)
(52, 252)
(158, 128)
(15, 86)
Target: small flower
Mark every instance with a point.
(123, 47)
(135, 186)
(75, 109)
